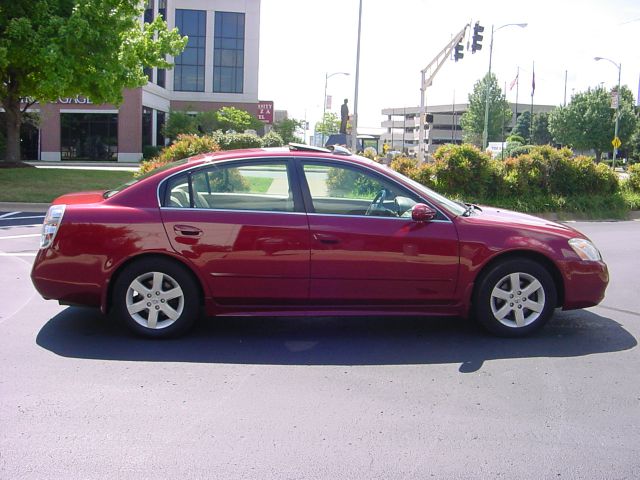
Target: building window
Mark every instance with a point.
(188, 73)
(89, 136)
(161, 73)
(161, 120)
(147, 126)
(228, 53)
(148, 18)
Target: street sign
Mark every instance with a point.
(616, 143)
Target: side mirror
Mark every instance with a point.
(422, 213)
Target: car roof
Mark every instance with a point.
(292, 150)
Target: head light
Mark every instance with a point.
(50, 226)
(585, 249)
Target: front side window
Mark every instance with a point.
(343, 190)
(247, 186)
(228, 53)
(188, 75)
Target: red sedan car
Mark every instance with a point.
(306, 231)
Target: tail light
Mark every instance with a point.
(50, 226)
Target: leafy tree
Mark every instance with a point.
(180, 123)
(231, 118)
(540, 134)
(523, 125)
(287, 130)
(329, 124)
(472, 120)
(53, 48)
(633, 145)
(588, 121)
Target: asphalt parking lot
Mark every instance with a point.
(321, 398)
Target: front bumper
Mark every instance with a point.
(584, 283)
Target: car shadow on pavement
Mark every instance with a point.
(85, 333)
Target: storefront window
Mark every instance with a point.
(89, 136)
(188, 73)
(228, 53)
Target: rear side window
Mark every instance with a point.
(178, 192)
(260, 186)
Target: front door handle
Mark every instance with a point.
(187, 230)
(326, 239)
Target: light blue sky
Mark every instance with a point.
(301, 40)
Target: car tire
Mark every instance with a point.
(156, 298)
(515, 298)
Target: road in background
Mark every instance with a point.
(387, 398)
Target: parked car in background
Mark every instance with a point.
(306, 231)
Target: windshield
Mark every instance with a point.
(453, 206)
(113, 191)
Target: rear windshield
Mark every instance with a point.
(112, 192)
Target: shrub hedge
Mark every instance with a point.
(464, 171)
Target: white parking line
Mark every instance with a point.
(4, 215)
(19, 254)
(20, 226)
(21, 236)
(20, 218)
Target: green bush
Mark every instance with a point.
(404, 165)
(235, 141)
(185, 146)
(150, 151)
(424, 174)
(272, 139)
(370, 153)
(634, 177)
(346, 183)
(462, 170)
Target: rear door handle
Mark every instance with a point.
(326, 239)
(187, 230)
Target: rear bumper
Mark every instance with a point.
(585, 283)
(52, 285)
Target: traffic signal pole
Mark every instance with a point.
(427, 76)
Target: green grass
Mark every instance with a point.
(259, 184)
(588, 207)
(42, 185)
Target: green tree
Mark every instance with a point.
(329, 124)
(231, 118)
(523, 125)
(287, 130)
(53, 48)
(540, 134)
(179, 123)
(472, 120)
(588, 121)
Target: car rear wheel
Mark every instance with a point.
(515, 298)
(156, 298)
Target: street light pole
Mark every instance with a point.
(485, 131)
(615, 134)
(354, 122)
(327, 76)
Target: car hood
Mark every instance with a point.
(503, 217)
(95, 196)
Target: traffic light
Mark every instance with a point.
(477, 38)
(458, 53)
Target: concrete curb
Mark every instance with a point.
(24, 207)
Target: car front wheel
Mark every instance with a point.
(515, 298)
(156, 298)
